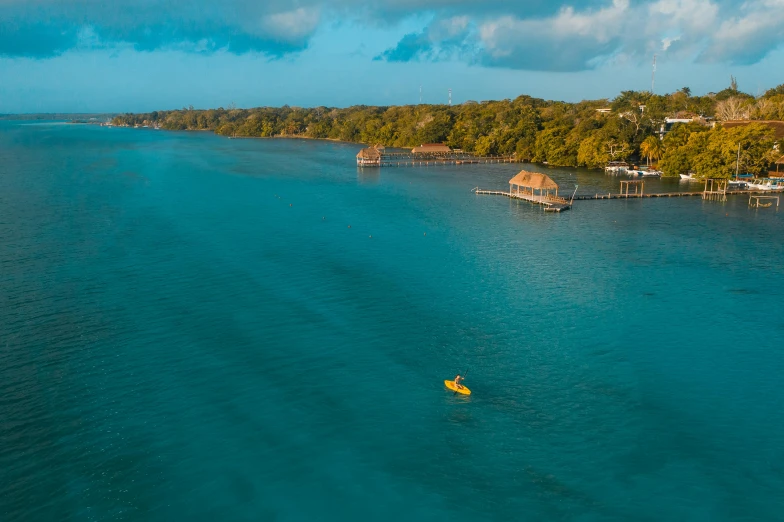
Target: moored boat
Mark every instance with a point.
(689, 177)
(764, 184)
(616, 167)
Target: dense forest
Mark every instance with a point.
(588, 133)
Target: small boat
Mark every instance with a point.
(649, 173)
(739, 185)
(689, 177)
(615, 167)
(764, 184)
(462, 389)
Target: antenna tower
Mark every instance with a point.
(450, 97)
(420, 95)
(653, 74)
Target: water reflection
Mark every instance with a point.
(368, 175)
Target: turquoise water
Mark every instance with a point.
(196, 328)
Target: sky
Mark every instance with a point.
(143, 55)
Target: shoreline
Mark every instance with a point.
(335, 140)
(290, 137)
(276, 137)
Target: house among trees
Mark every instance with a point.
(777, 174)
(685, 118)
(777, 126)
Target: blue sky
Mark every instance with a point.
(140, 55)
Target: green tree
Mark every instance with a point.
(716, 152)
(652, 148)
(756, 143)
(534, 129)
(485, 146)
(775, 91)
(593, 152)
(681, 146)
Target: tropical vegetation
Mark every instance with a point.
(589, 133)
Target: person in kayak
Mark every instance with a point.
(457, 382)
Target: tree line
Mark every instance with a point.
(588, 133)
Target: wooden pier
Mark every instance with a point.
(536, 187)
(404, 159)
(704, 195)
(550, 203)
(425, 155)
(758, 201)
(588, 197)
(559, 204)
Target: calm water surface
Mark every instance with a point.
(195, 328)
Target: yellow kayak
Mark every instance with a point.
(462, 389)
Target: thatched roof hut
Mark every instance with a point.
(369, 156)
(431, 148)
(530, 181)
(776, 173)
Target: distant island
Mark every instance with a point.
(66, 116)
(708, 136)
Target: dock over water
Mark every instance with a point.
(534, 187)
(559, 204)
(426, 155)
(405, 159)
(540, 189)
(550, 204)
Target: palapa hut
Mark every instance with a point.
(431, 148)
(369, 157)
(533, 184)
(777, 174)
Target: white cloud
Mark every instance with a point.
(292, 25)
(563, 35)
(573, 39)
(447, 28)
(602, 24)
(697, 15)
(746, 38)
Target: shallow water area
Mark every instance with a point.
(199, 328)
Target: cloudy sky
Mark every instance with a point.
(138, 55)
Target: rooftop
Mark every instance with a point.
(777, 126)
(431, 148)
(369, 153)
(533, 180)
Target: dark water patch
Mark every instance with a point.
(743, 291)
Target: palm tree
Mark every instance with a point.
(652, 148)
